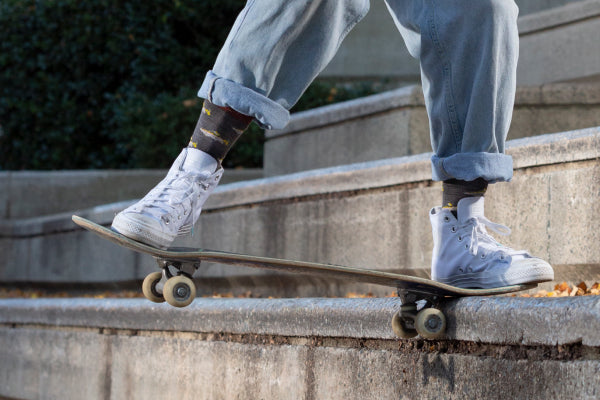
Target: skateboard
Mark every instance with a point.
(174, 284)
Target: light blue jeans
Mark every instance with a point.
(468, 52)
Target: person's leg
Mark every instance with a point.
(273, 52)
(468, 53)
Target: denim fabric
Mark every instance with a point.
(468, 54)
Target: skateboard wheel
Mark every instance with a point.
(401, 329)
(430, 323)
(149, 287)
(179, 291)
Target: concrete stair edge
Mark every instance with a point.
(494, 320)
(568, 13)
(579, 145)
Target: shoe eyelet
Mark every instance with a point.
(469, 269)
(453, 229)
(460, 269)
(483, 255)
(446, 219)
(460, 238)
(466, 246)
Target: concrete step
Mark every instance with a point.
(370, 215)
(375, 214)
(29, 194)
(397, 125)
(560, 44)
(496, 348)
(559, 41)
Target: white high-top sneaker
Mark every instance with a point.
(465, 255)
(173, 206)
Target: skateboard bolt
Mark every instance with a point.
(182, 292)
(434, 322)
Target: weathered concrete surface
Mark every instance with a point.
(394, 124)
(385, 125)
(557, 107)
(533, 6)
(48, 249)
(354, 215)
(375, 49)
(334, 215)
(560, 44)
(46, 364)
(492, 320)
(28, 194)
(296, 348)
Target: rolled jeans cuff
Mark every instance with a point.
(227, 93)
(493, 167)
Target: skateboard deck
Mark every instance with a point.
(178, 265)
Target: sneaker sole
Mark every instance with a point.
(532, 271)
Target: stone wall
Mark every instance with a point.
(394, 124)
(550, 52)
(496, 348)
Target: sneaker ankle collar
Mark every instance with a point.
(470, 207)
(198, 161)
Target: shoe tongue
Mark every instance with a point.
(469, 207)
(198, 161)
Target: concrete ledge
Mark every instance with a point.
(374, 48)
(354, 215)
(559, 16)
(290, 349)
(493, 320)
(57, 223)
(538, 151)
(397, 125)
(560, 44)
(412, 96)
(408, 96)
(528, 152)
(30, 194)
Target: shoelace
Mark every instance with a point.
(169, 198)
(479, 232)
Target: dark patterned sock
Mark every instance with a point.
(218, 129)
(453, 190)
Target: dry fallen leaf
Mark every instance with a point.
(562, 289)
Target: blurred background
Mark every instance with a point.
(112, 83)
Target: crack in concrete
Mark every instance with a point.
(512, 352)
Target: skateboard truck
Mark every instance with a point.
(172, 284)
(410, 321)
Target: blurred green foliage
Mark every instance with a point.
(112, 83)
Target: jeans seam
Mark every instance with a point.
(447, 79)
(211, 87)
(246, 11)
(353, 22)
